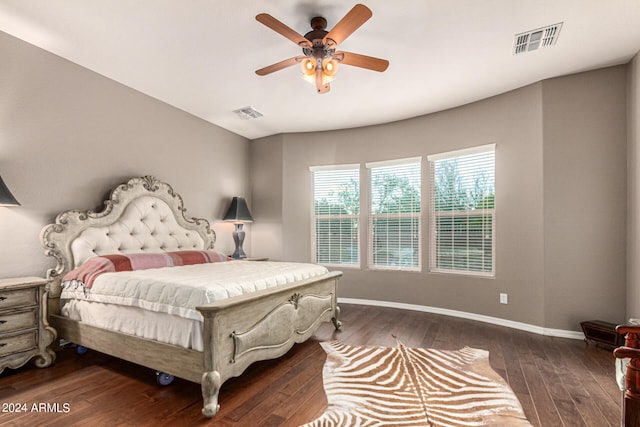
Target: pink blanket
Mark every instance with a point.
(94, 267)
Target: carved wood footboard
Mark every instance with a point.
(261, 326)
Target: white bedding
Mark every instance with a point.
(179, 290)
(159, 304)
(136, 321)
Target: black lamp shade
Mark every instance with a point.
(238, 211)
(6, 198)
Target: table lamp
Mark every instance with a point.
(238, 213)
(6, 198)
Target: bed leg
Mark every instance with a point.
(210, 389)
(336, 323)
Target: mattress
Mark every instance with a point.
(160, 303)
(162, 327)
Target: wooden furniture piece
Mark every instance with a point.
(24, 330)
(601, 332)
(631, 351)
(146, 216)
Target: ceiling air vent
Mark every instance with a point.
(536, 39)
(247, 113)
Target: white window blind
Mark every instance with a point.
(394, 214)
(462, 211)
(336, 213)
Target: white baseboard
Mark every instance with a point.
(471, 316)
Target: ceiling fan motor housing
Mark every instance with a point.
(318, 49)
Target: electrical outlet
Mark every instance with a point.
(504, 298)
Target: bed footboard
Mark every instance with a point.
(260, 326)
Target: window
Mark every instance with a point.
(336, 213)
(394, 214)
(462, 211)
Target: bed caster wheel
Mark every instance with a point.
(81, 350)
(164, 379)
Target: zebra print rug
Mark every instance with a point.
(374, 386)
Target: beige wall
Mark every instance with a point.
(585, 196)
(68, 135)
(512, 121)
(539, 158)
(633, 220)
(266, 184)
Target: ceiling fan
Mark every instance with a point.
(320, 59)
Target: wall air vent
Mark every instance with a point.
(246, 113)
(536, 39)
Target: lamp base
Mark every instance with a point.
(238, 238)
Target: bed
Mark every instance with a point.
(145, 217)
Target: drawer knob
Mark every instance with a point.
(3, 298)
(2, 322)
(2, 344)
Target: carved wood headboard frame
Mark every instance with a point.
(143, 215)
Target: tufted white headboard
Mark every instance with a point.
(143, 215)
(147, 224)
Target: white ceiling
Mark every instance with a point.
(200, 55)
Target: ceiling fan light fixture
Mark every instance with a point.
(308, 66)
(309, 78)
(326, 79)
(329, 66)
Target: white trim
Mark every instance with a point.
(480, 274)
(396, 162)
(560, 333)
(334, 167)
(462, 152)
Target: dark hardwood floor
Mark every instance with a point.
(560, 382)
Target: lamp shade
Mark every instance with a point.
(6, 198)
(238, 211)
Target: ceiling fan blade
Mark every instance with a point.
(363, 61)
(321, 88)
(349, 23)
(279, 27)
(279, 66)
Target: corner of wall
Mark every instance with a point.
(633, 187)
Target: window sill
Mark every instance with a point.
(463, 273)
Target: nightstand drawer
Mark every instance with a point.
(18, 343)
(15, 321)
(18, 298)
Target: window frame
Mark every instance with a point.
(407, 162)
(434, 216)
(315, 217)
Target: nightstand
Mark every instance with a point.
(24, 330)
